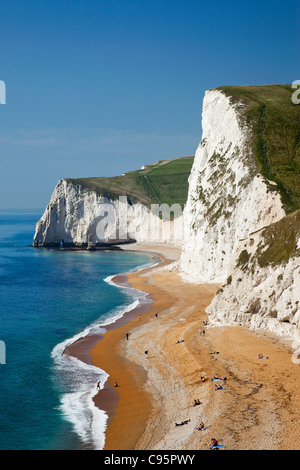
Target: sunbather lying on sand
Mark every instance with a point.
(219, 387)
(260, 356)
(183, 422)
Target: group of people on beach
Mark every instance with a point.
(202, 331)
(213, 444)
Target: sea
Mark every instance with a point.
(48, 299)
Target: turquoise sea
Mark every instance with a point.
(48, 299)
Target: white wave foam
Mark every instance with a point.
(140, 295)
(77, 380)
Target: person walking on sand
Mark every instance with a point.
(127, 336)
(139, 317)
(98, 385)
(146, 352)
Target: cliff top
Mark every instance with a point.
(275, 122)
(163, 182)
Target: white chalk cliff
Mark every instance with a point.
(229, 205)
(79, 216)
(228, 199)
(231, 219)
(260, 293)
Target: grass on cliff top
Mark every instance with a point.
(275, 121)
(164, 182)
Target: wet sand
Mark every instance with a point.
(259, 407)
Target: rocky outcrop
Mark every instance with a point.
(263, 289)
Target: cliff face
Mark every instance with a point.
(68, 216)
(228, 199)
(241, 223)
(80, 216)
(263, 289)
(237, 233)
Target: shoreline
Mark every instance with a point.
(107, 398)
(131, 377)
(259, 408)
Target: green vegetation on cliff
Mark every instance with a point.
(275, 122)
(281, 241)
(164, 182)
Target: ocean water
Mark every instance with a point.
(48, 299)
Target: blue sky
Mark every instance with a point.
(98, 88)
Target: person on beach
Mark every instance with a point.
(98, 385)
(218, 387)
(116, 384)
(139, 317)
(201, 426)
(183, 422)
(146, 352)
(197, 402)
(260, 356)
(156, 315)
(213, 443)
(127, 336)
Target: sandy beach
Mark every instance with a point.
(258, 407)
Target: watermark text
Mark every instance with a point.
(296, 94)
(2, 92)
(121, 220)
(2, 352)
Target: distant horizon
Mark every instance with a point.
(15, 210)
